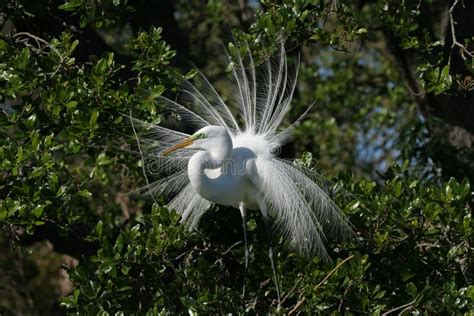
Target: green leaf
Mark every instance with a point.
(70, 5)
(38, 211)
(91, 289)
(135, 232)
(251, 225)
(85, 193)
(93, 119)
(107, 265)
(353, 205)
(71, 105)
(99, 228)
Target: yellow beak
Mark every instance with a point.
(188, 141)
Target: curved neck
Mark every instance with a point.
(208, 159)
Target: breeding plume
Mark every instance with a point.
(231, 158)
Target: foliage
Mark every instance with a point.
(57, 152)
(414, 245)
(69, 162)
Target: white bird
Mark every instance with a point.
(234, 164)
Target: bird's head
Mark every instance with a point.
(206, 138)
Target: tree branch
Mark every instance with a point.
(462, 49)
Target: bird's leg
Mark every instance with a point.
(263, 209)
(243, 212)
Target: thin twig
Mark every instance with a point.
(463, 50)
(292, 290)
(429, 245)
(295, 308)
(404, 307)
(333, 270)
(298, 304)
(143, 158)
(40, 40)
(230, 248)
(344, 296)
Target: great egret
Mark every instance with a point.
(236, 164)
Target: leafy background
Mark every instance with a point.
(392, 83)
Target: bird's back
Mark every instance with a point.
(257, 143)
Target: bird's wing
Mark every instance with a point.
(299, 209)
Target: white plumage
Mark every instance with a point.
(234, 164)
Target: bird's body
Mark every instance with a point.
(224, 176)
(236, 165)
